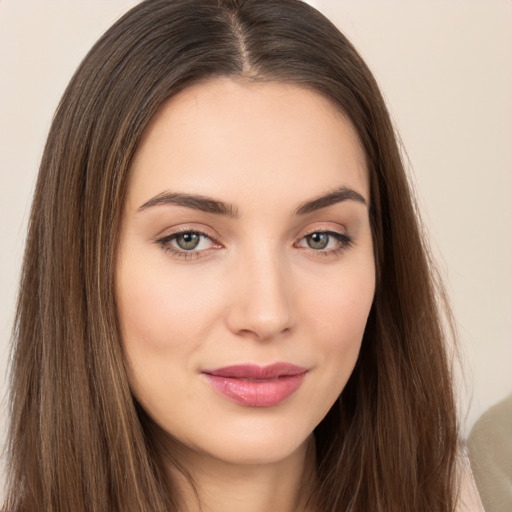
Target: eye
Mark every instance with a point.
(318, 240)
(326, 242)
(187, 243)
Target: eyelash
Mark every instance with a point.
(165, 243)
(344, 241)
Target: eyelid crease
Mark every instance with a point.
(343, 238)
(344, 241)
(188, 228)
(165, 243)
(176, 234)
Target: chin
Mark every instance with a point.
(257, 451)
(249, 441)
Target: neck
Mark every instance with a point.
(219, 486)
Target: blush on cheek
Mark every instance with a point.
(342, 334)
(347, 306)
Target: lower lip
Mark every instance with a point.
(257, 393)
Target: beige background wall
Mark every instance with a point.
(445, 69)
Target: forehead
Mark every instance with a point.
(237, 139)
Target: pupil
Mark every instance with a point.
(188, 241)
(318, 240)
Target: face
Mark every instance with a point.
(245, 271)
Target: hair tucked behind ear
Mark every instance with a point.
(77, 441)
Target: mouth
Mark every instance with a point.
(257, 386)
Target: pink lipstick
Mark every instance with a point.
(257, 386)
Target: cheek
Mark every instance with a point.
(161, 313)
(163, 320)
(342, 304)
(339, 314)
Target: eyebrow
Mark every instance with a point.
(210, 205)
(196, 202)
(336, 196)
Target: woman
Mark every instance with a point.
(226, 302)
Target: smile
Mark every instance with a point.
(257, 386)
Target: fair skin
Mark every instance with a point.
(260, 273)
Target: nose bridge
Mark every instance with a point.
(262, 305)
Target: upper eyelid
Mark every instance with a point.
(335, 234)
(323, 230)
(169, 234)
(214, 237)
(165, 243)
(338, 229)
(167, 239)
(210, 233)
(193, 254)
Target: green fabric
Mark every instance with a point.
(490, 453)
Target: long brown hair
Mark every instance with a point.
(78, 441)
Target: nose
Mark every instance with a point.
(261, 304)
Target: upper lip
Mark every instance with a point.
(254, 371)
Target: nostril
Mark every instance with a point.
(262, 323)
(261, 304)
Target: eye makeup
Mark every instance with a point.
(186, 243)
(325, 242)
(191, 243)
